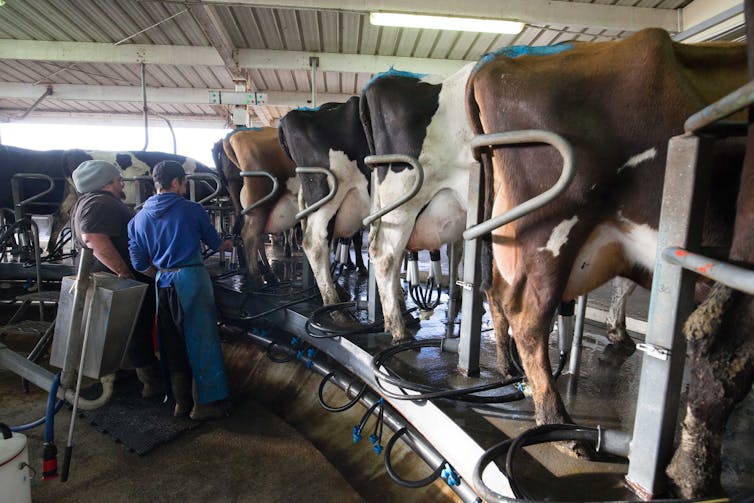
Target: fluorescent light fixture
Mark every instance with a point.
(445, 23)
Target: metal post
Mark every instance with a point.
(683, 202)
(314, 62)
(73, 348)
(374, 307)
(578, 333)
(452, 296)
(471, 300)
(565, 326)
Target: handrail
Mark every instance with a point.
(204, 177)
(729, 275)
(725, 106)
(317, 205)
(526, 136)
(275, 187)
(15, 183)
(373, 160)
(140, 179)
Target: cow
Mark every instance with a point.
(618, 104)
(424, 118)
(231, 179)
(330, 137)
(258, 149)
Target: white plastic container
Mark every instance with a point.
(15, 482)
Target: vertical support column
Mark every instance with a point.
(471, 298)
(452, 296)
(374, 307)
(75, 321)
(683, 203)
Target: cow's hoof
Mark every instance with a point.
(616, 353)
(363, 271)
(343, 295)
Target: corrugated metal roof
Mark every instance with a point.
(237, 27)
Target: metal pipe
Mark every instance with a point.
(333, 190)
(17, 191)
(373, 160)
(48, 92)
(158, 23)
(314, 62)
(144, 104)
(72, 350)
(729, 275)
(452, 297)
(172, 133)
(204, 177)
(516, 137)
(275, 187)
(725, 106)
(350, 387)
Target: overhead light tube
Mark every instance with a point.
(445, 23)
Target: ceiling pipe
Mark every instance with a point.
(314, 63)
(144, 105)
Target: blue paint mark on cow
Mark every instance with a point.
(307, 109)
(227, 136)
(392, 72)
(515, 51)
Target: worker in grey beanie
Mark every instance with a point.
(99, 221)
(93, 175)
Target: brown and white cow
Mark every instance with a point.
(258, 149)
(618, 104)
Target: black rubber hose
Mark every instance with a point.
(412, 484)
(319, 331)
(288, 357)
(426, 392)
(330, 408)
(543, 436)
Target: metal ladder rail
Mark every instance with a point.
(471, 302)
(684, 198)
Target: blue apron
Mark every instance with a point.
(194, 289)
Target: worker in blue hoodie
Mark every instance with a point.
(164, 242)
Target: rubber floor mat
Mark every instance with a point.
(139, 424)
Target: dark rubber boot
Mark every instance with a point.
(151, 378)
(211, 410)
(181, 385)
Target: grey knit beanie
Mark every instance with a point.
(93, 175)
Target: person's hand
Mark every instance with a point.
(226, 245)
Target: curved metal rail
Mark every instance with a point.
(333, 190)
(722, 108)
(205, 177)
(373, 160)
(142, 179)
(275, 187)
(526, 136)
(16, 187)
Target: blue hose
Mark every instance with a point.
(53, 407)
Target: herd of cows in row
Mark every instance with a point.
(616, 103)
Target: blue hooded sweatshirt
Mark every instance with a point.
(167, 232)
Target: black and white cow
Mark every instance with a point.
(330, 137)
(409, 114)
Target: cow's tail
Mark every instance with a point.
(366, 120)
(485, 183)
(281, 138)
(230, 153)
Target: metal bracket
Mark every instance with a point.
(465, 285)
(205, 178)
(317, 205)
(275, 186)
(654, 351)
(373, 161)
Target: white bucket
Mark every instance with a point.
(15, 482)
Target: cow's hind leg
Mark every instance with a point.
(500, 324)
(722, 371)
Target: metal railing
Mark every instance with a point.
(270, 195)
(16, 182)
(204, 178)
(373, 161)
(333, 190)
(517, 137)
(722, 108)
